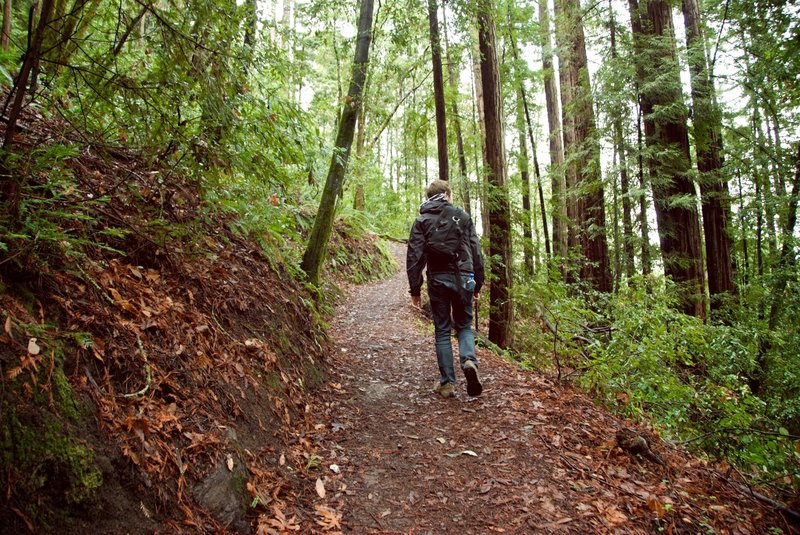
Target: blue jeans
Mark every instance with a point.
(451, 308)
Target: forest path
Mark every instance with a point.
(527, 456)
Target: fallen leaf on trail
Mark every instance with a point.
(611, 513)
(7, 325)
(335, 468)
(470, 453)
(229, 462)
(33, 347)
(440, 440)
(329, 518)
(282, 460)
(386, 513)
(279, 521)
(656, 506)
(320, 488)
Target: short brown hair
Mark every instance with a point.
(438, 186)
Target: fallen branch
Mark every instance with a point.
(747, 491)
(149, 379)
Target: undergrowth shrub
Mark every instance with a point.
(643, 359)
(51, 225)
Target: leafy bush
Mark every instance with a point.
(687, 378)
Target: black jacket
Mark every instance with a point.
(470, 259)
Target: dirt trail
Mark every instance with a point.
(527, 456)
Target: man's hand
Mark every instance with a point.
(476, 296)
(416, 301)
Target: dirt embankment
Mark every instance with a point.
(156, 366)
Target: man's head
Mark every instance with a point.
(439, 186)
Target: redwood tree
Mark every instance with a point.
(501, 312)
(585, 202)
(558, 186)
(707, 122)
(438, 91)
(667, 138)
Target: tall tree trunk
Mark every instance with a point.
(523, 112)
(64, 33)
(667, 135)
(585, 201)
(621, 149)
(627, 220)
(462, 157)
(359, 201)
(522, 164)
(438, 91)
(707, 121)
(643, 225)
(10, 184)
(314, 255)
(744, 272)
(763, 170)
(558, 210)
(615, 219)
(501, 312)
(4, 40)
(480, 166)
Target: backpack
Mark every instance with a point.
(446, 234)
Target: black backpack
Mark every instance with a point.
(445, 237)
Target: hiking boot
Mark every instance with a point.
(474, 387)
(446, 390)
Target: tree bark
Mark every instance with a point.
(643, 225)
(480, 166)
(707, 121)
(359, 200)
(462, 157)
(523, 112)
(501, 312)
(10, 185)
(314, 255)
(619, 144)
(667, 135)
(522, 164)
(4, 40)
(558, 209)
(438, 91)
(585, 200)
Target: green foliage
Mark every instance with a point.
(357, 255)
(690, 379)
(50, 226)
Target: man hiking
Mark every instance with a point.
(443, 238)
